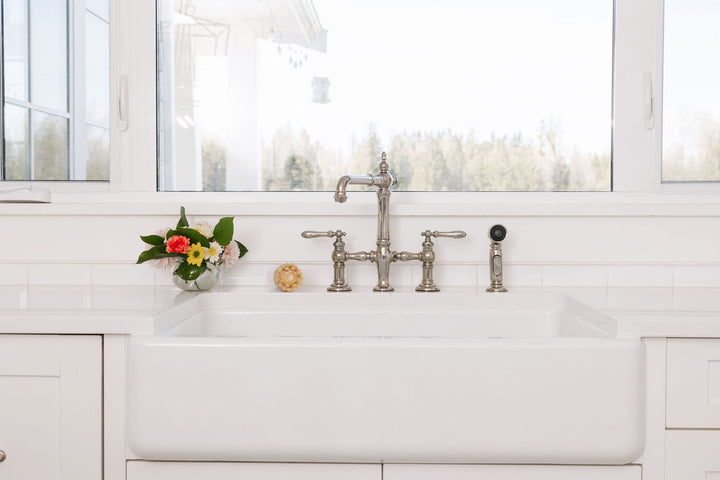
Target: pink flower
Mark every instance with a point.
(177, 244)
(230, 254)
(167, 263)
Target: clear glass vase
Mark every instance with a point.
(206, 281)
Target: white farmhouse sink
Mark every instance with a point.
(451, 378)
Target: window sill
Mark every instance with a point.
(595, 204)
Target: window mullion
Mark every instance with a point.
(638, 52)
(77, 156)
(135, 47)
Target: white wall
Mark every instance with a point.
(616, 245)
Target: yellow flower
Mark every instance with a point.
(195, 254)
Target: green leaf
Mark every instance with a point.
(170, 233)
(156, 252)
(183, 219)
(153, 239)
(223, 231)
(243, 249)
(194, 236)
(189, 272)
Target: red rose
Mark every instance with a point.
(177, 244)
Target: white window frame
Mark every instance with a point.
(76, 111)
(636, 148)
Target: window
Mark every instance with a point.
(56, 101)
(691, 97)
(464, 95)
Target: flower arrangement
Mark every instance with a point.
(192, 251)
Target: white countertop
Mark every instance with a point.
(640, 312)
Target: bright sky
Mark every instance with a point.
(465, 65)
(691, 65)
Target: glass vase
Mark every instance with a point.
(206, 281)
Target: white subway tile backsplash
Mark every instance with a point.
(123, 274)
(246, 273)
(697, 276)
(448, 275)
(13, 297)
(514, 275)
(60, 274)
(623, 298)
(13, 274)
(596, 297)
(575, 275)
(57, 297)
(640, 276)
(163, 278)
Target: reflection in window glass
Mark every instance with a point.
(466, 95)
(70, 134)
(49, 54)
(50, 146)
(17, 165)
(691, 97)
(101, 8)
(98, 153)
(15, 60)
(97, 77)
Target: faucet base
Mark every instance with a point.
(339, 288)
(383, 289)
(427, 288)
(496, 289)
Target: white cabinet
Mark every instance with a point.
(693, 402)
(511, 472)
(141, 470)
(50, 407)
(692, 455)
(693, 383)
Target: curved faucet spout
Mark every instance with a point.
(345, 180)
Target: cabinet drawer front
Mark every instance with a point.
(693, 383)
(141, 470)
(30, 355)
(692, 455)
(510, 472)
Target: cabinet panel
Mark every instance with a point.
(141, 470)
(511, 472)
(692, 455)
(50, 407)
(693, 383)
(30, 427)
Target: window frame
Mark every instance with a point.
(636, 149)
(76, 109)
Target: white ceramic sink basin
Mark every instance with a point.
(452, 378)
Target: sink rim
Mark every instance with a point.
(321, 307)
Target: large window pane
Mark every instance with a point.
(691, 97)
(97, 70)
(17, 153)
(463, 94)
(50, 147)
(98, 153)
(49, 54)
(101, 8)
(15, 48)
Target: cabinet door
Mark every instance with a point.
(693, 383)
(50, 407)
(142, 470)
(510, 472)
(692, 455)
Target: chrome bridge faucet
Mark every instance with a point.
(382, 256)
